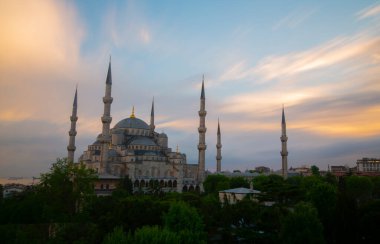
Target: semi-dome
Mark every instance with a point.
(134, 123)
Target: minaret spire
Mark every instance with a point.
(106, 120)
(284, 151)
(152, 126)
(218, 151)
(202, 135)
(72, 133)
(133, 113)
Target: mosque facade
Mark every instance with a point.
(133, 148)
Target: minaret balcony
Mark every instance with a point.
(106, 119)
(73, 118)
(284, 138)
(107, 99)
(202, 146)
(202, 129)
(202, 113)
(284, 153)
(71, 148)
(72, 133)
(218, 146)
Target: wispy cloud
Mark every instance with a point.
(294, 19)
(127, 26)
(337, 51)
(371, 11)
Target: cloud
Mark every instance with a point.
(368, 12)
(127, 26)
(294, 19)
(337, 51)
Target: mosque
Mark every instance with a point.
(133, 148)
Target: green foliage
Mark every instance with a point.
(323, 196)
(116, 236)
(215, 183)
(359, 188)
(124, 188)
(302, 226)
(273, 188)
(236, 182)
(331, 179)
(315, 170)
(376, 187)
(65, 188)
(1, 192)
(370, 222)
(183, 217)
(155, 235)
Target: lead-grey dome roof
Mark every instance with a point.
(134, 123)
(143, 141)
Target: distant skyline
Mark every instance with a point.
(321, 59)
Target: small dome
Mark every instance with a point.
(134, 123)
(163, 135)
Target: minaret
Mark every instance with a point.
(106, 120)
(151, 126)
(202, 135)
(72, 133)
(284, 151)
(218, 151)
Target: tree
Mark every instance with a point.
(185, 220)
(215, 183)
(302, 226)
(324, 198)
(315, 170)
(66, 187)
(154, 235)
(236, 182)
(359, 188)
(116, 236)
(124, 188)
(1, 192)
(183, 217)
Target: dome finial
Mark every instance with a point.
(133, 113)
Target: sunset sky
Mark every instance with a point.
(321, 59)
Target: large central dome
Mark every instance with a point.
(134, 123)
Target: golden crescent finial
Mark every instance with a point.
(133, 113)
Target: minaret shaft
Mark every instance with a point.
(284, 151)
(218, 151)
(202, 136)
(72, 133)
(106, 120)
(152, 126)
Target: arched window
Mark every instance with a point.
(174, 183)
(197, 188)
